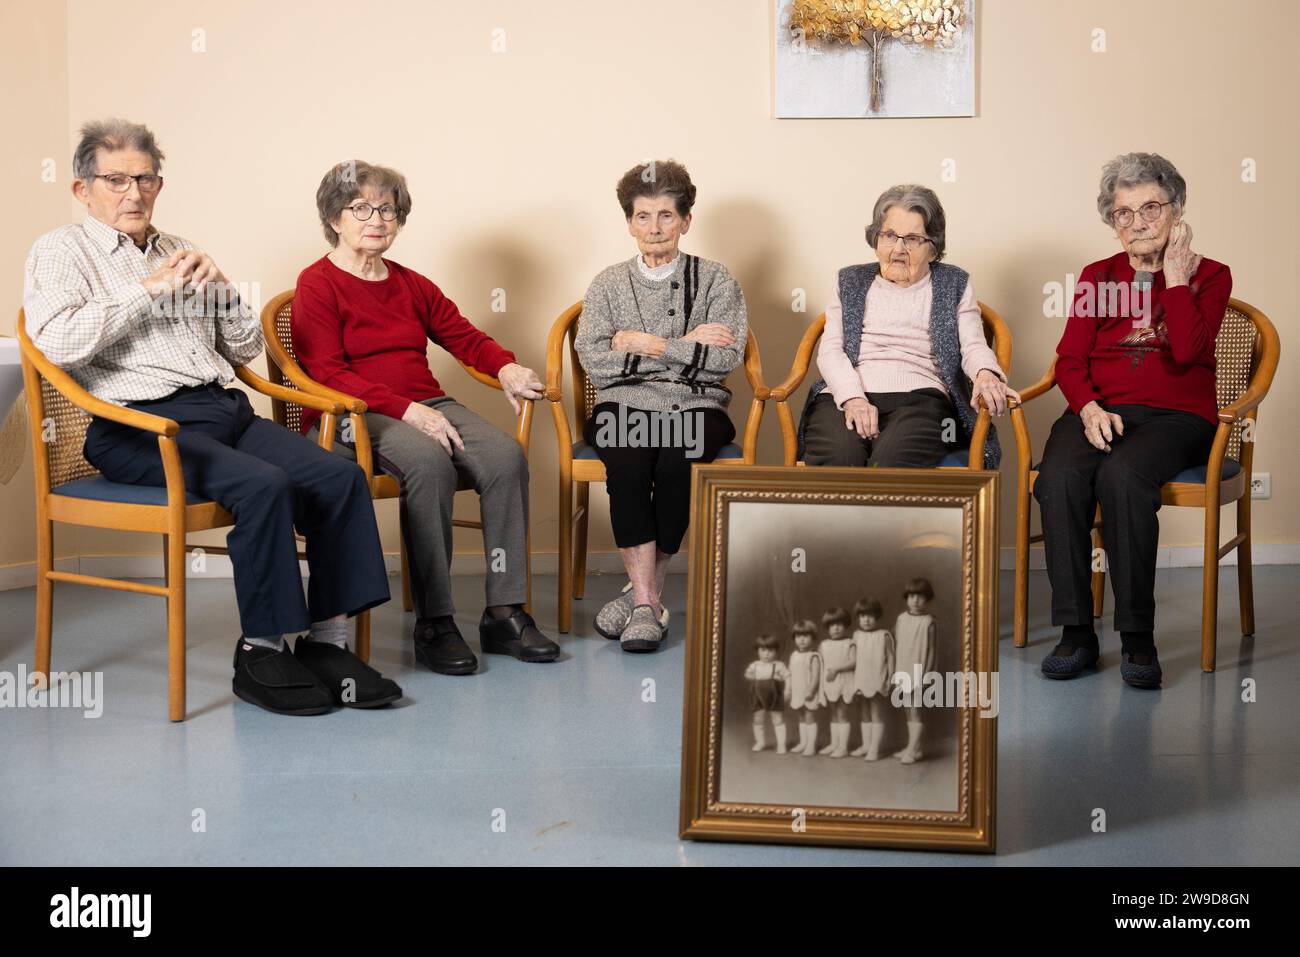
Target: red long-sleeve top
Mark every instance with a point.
(1116, 352)
(368, 338)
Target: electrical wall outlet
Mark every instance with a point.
(1261, 485)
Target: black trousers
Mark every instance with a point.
(912, 427)
(270, 480)
(650, 487)
(1074, 477)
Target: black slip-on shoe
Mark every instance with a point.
(336, 667)
(444, 650)
(1070, 661)
(1140, 669)
(517, 636)
(278, 682)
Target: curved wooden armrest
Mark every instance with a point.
(68, 387)
(490, 381)
(802, 359)
(305, 399)
(1045, 384)
(555, 353)
(1235, 411)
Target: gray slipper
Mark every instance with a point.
(643, 632)
(614, 615)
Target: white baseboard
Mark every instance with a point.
(23, 574)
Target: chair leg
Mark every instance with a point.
(1245, 574)
(1021, 601)
(1098, 578)
(44, 601)
(407, 604)
(363, 635)
(564, 609)
(1210, 591)
(580, 540)
(175, 575)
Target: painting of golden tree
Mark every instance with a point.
(932, 23)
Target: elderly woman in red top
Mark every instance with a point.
(1136, 365)
(361, 325)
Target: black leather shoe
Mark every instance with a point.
(516, 635)
(334, 666)
(442, 649)
(277, 681)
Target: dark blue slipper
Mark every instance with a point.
(1069, 661)
(1140, 669)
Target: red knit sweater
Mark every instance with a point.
(368, 339)
(1163, 356)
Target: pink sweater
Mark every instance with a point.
(895, 354)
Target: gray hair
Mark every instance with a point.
(916, 199)
(344, 182)
(112, 134)
(1134, 169)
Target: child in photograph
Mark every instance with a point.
(839, 656)
(875, 666)
(804, 690)
(768, 680)
(914, 634)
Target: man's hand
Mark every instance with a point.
(433, 424)
(172, 274)
(1099, 426)
(862, 417)
(519, 382)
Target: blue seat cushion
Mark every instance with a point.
(958, 459)
(1196, 474)
(102, 490)
(581, 450)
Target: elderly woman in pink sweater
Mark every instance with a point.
(903, 356)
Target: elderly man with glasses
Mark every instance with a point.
(143, 319)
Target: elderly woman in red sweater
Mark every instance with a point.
(361, 325)
(1136, 365)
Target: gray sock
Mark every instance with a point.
(334, 631)
(274, 642)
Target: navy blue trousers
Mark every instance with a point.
(270, 480)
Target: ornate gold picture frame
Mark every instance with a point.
(778, 549)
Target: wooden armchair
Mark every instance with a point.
(578, 462)
(283, 368)
(69, 489)
(1247, 352)
(995, 332)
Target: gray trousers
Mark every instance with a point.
(492, 464)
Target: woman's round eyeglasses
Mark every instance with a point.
(364, 211)
(1123, 216)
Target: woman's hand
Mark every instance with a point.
(639, 343)
(433, 424)
(862, 417)
(519, 382)
(992, 391)
(711, 334)
(1099, 426)
(1180, 263)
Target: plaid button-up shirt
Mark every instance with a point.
(89, 313)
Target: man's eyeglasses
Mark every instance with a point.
(1123, 216)
(364, 211)
(912, 241)
(121, 182)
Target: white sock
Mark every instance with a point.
(274, 642)
(332, 630)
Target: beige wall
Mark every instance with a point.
(512, 158)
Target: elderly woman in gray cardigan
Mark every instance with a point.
(903, 356)
(658, 335)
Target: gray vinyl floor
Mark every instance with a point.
(573, 767)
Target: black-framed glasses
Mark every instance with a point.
(364, 212)
(121, 182)
(1123, 216)
(911, 242)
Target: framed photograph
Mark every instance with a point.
(841, 677)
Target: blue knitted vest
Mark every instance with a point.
(948, 284)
